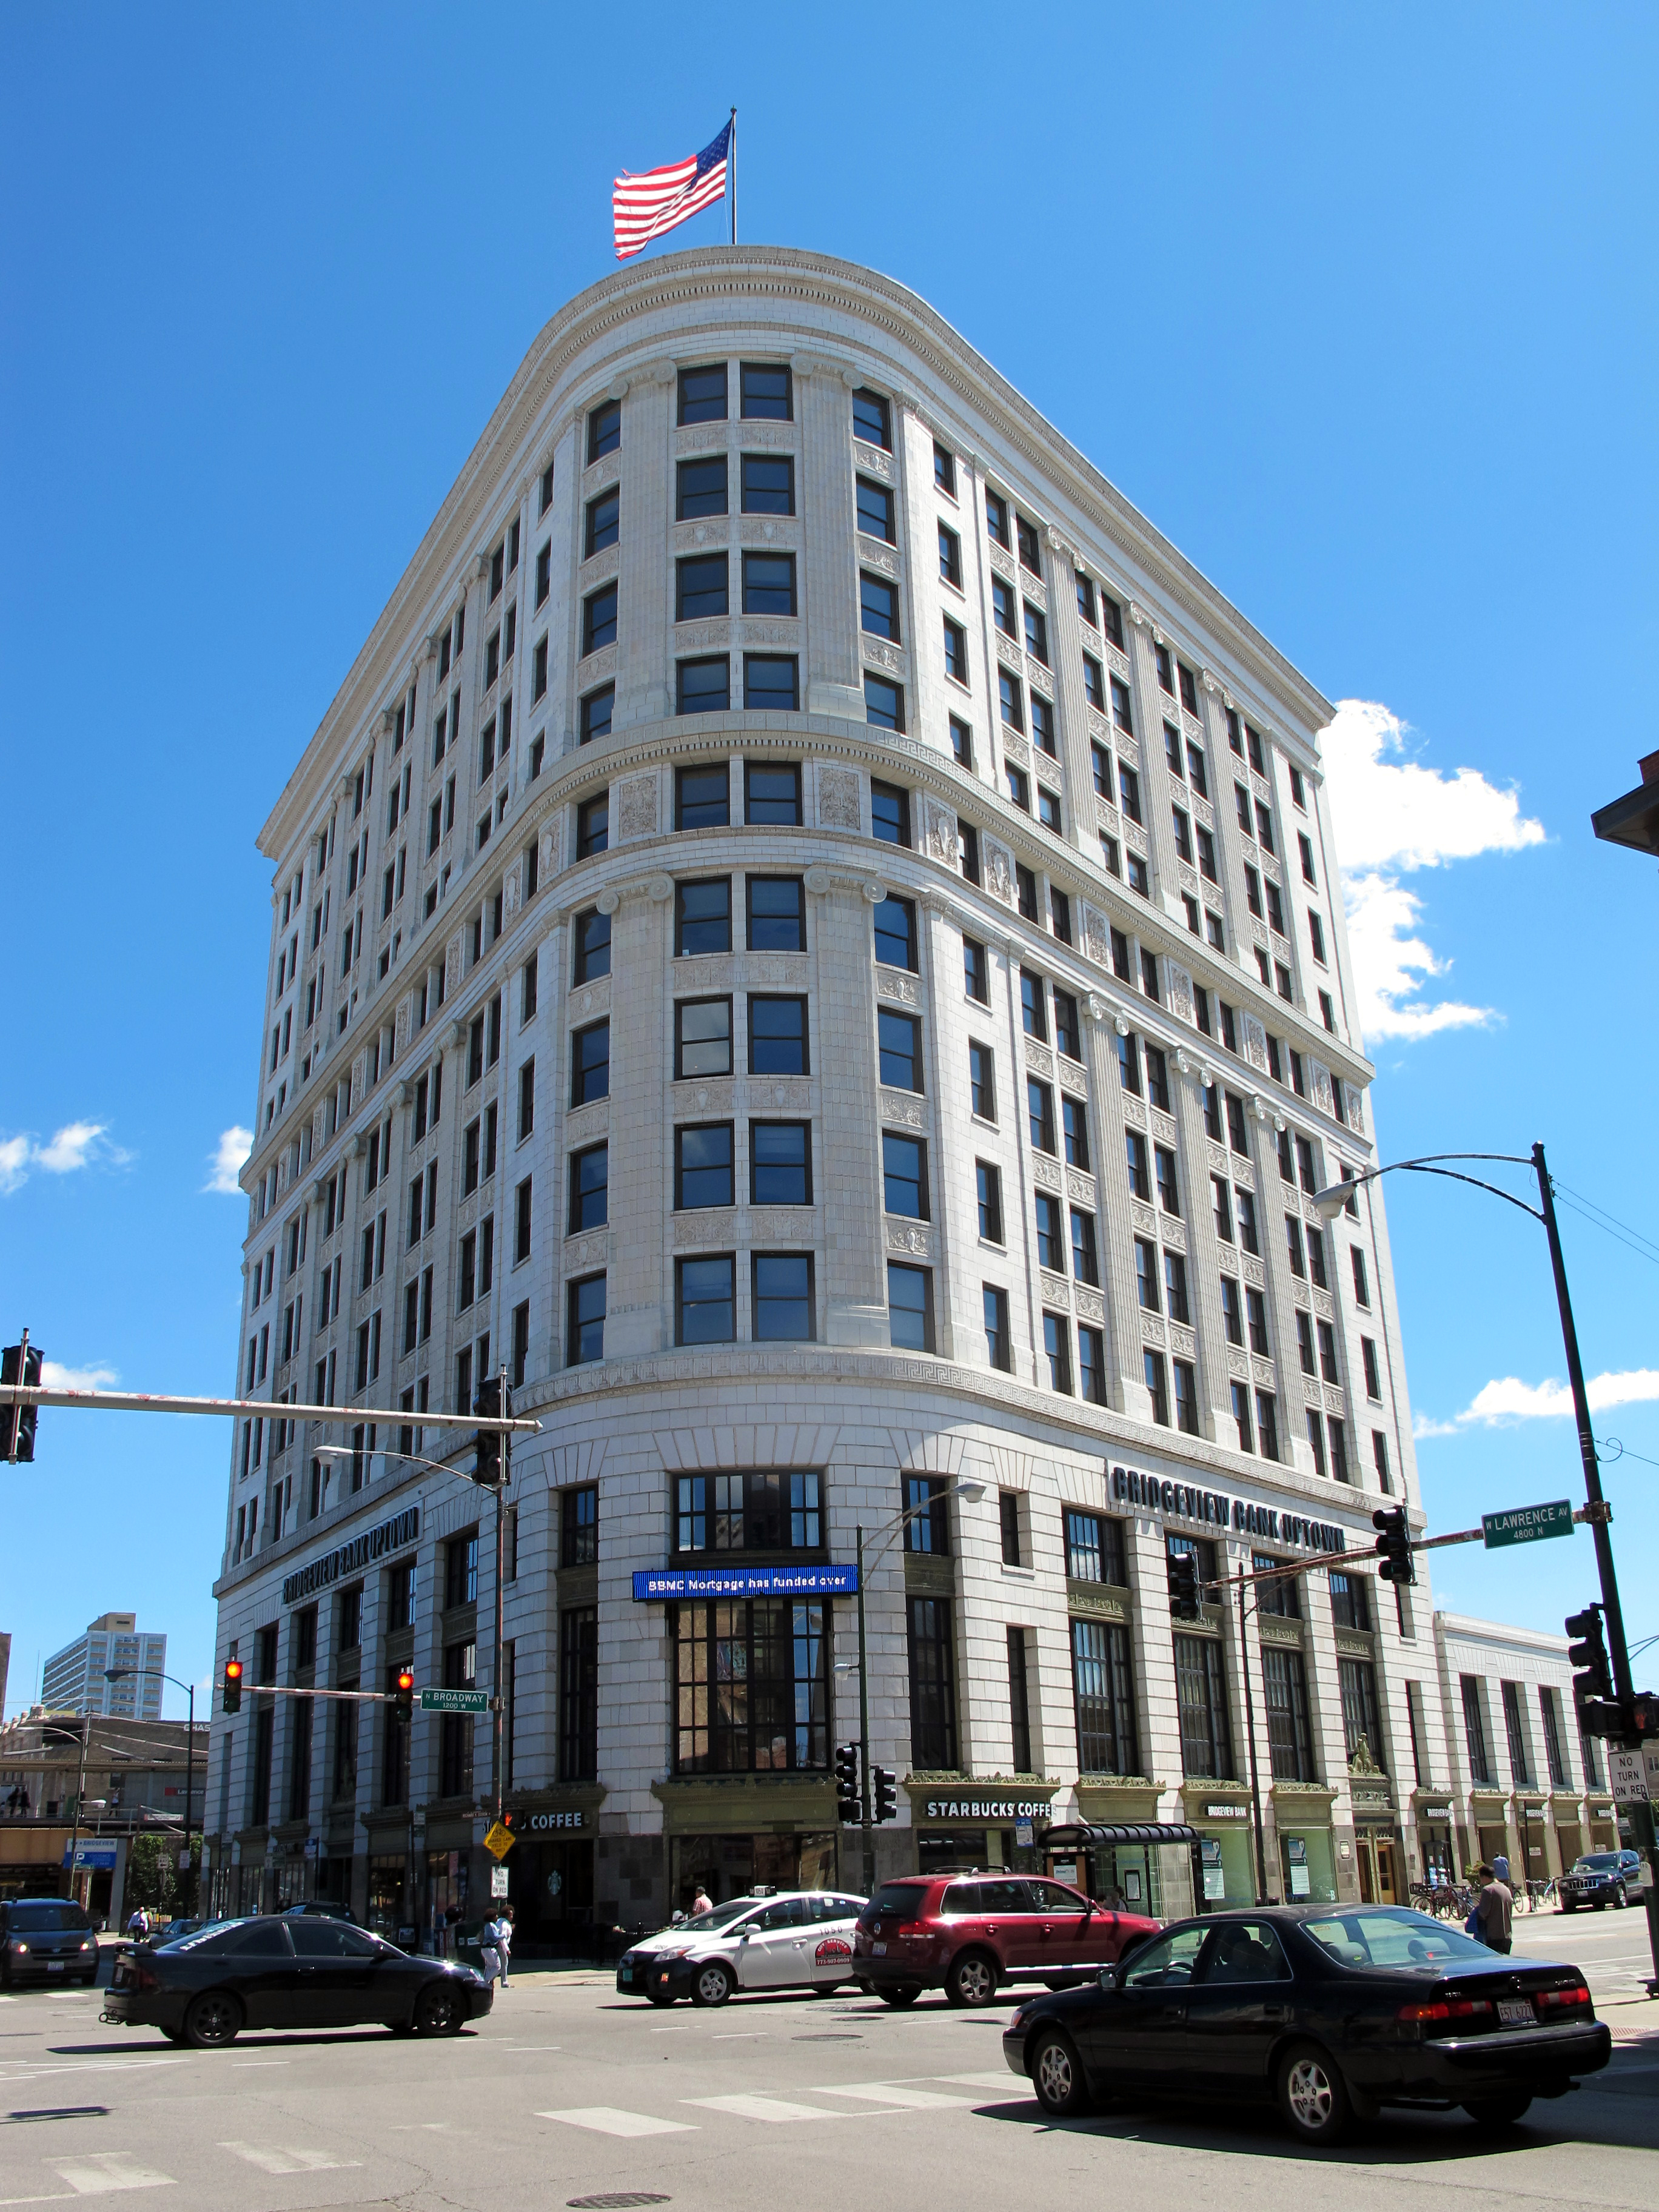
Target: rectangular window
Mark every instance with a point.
(1373, 1374)
(975, 970)
(1094, 1549)
(983, 1081)
(1091, 1365)
(702, 587)
(781, 1297)
(889, 813)
(1207, 1747)
(1051, 1253)
(590, 1064)
(706, 1301)
(604, 431)
(1019, 1705)
(703, 917)
(766, 393)
(1474, 1731)
(751, 1687)
(702, 394)
(584, 1322)
(955, 650)
(592, 930)
(600, 619)
(1157, 1386)
(879, 607)
(1358, 1680)
(1040, 1115)
(873, 419)
(779, 1163)
(927, 1528)
(1290, 1736)
(884, 702)
(1549, 1712)
(1074, 1122)
(702, 797)
(603, 523)
(768, 484)
(703, 1169)
(1057, 1352)
(597, 708)
(875, 511)
(932, 1685)
(701, 488)
(1086, 1260)
(1134, 1147)
(590, 1189)
(1169, 1194)
(1102, 1692)
(702, 1038)
(895, 924)
(777, 1037)
(898, 1038)
(704, 686)
(998, 1347)
(910, 1307)
(904, 1175)
(578, 1693)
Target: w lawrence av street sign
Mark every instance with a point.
(1525, 1524)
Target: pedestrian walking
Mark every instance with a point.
(1495, 1908)
(504, 1940)
(490, 1951)
(702, 1903)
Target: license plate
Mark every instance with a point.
(1517, 2012)
(626, 1975)
(54, 1965)
(880, 1950)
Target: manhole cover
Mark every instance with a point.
(829, 2039)
(614, 2196)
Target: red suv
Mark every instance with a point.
(970, 1933)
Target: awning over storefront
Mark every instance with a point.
(1085, 1835)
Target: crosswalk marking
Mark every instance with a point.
(282, 2158)
(99, 2173)
(895, 2093)
(1010, 2081)
(612, 2120)
(763, 2108)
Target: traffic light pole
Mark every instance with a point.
(866, 1808)
(1598, 1516)
(1249, 1731)
(497, 1702)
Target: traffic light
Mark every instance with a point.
(232, 1686)
(884, 1793)
(1642, 1720)
(1395, 1545)
(1587, 1652)
(1184, 1586)
(18, 1364)
(494, 1400)
(404, 1695)
(849, 1805)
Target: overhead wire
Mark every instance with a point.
(1620, 1232)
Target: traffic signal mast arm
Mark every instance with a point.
(145, 1401)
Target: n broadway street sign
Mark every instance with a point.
(454, 1701)
(1525, 1524)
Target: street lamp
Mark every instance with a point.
(1329, 1203)
(887, 1530)
(154, 1674)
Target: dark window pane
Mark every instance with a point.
(777, 1037)
(703, 1173)
(777, 919)
(768, 484)
(770, 683)
(702, 797)
(707, 1308)
(701, 488)
(871, 419)
(765, 391)
(702, 394)
(782, 1283)
(604, 431)
(779, 1163)
(703, 916)
(705, 686)
(876, 511)
(771, 791)
(896, 933)
(702, 587)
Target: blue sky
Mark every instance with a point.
(1357, 306)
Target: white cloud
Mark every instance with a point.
(55, 1377)
(1393, 815)
(76, 1145)
(235, 1146)
(1506, 1400)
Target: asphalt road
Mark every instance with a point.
(568, 2094)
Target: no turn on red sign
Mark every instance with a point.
(1627, 1772)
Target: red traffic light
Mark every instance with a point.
(232, 1687)
(405, 1680)
(404, 1694)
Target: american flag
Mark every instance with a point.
(644, 207)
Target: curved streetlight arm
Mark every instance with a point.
(889, 1530)
(1331, 1201)
(193, 1867)
(405, 1459)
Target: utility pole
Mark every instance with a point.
(865, 1807)
(1599, 1517)
(1249, 1731)
(498, 1703)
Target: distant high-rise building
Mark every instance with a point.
(5, 1667)
(73, 1681)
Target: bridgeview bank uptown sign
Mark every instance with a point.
(373, 1544)
(1215, 1509)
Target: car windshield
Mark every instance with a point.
(1598, 1863)
(1390, 1937)
(45, 1919)
(720, 1916)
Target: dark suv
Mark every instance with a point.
(968, 1934)
(47, 1939)
(1601, 1878)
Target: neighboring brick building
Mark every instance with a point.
(789, 772)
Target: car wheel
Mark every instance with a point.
(901, 1997)
(213, 2021)
(711, 1985)
(1619, 1899)
(1057, 2077)
(972, 1979)
(439, 2012)
(1569, 1908)
(1313, 2096)
(173, 2034)
(1498, 2111)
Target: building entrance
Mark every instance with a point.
(731, 1866)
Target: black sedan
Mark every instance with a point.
(295, 1973)
(47, 1939)
(1334, 2011)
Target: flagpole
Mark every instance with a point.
(732, 172)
